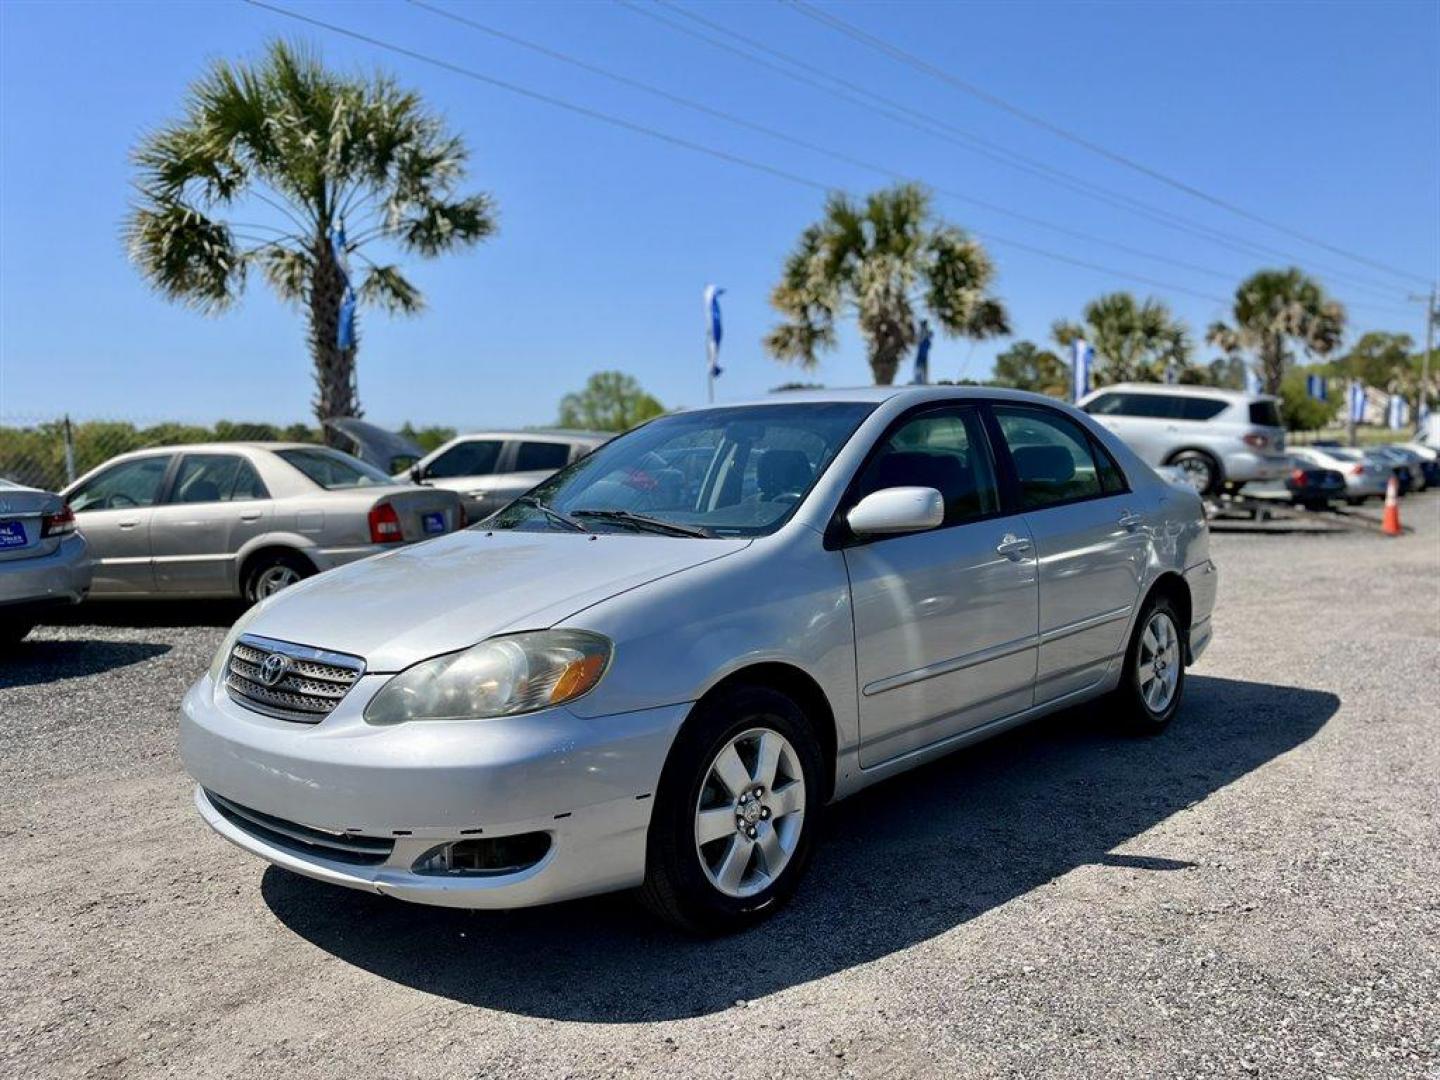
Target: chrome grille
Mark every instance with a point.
(310, 682)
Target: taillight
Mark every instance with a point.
(1298, 477)
(384, 524)
(1259, 442)
(61, 524)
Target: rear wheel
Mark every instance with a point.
(1200, 469)
(270, 573)
(1154, 678)
(735, 813)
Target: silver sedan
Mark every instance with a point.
(658, 668)
(44, 561)
(243, 519)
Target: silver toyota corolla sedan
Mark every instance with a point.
(243, 519)
(44, 562)
(660, 665)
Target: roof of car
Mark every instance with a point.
(220, 447)
(530, 433)
(1186, 389)
(878, 394)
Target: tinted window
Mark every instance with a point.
(1112, 480)
(736, 471)
(946, 451)
(205, 478)
(475, 458)
(1200, 408)
(1052, 456)
(541, 455)
(332, 469)
(1152, 406)
(1264, 414)
(131, 483)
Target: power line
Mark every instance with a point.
(794, 140)
(847, 90)
(688, 144)
(910, 59)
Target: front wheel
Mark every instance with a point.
(1154, 678)
(735, 813)
(1200, 469)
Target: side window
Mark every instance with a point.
(541, 455)
(1107, 405)
(1112, 479)
(1052, 455)
(475, 458)
(945, 450)
(131, 483)
(205, 478)
(1200, 408)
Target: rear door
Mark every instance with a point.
(113, 509)
(945, 620)
(215, 504)
(1090, 540)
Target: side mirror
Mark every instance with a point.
(416, 473)
(897, 510)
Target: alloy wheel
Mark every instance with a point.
(750, 813)
(274, 579)
(1197, 471)
(1157, 669)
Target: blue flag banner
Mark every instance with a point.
(1356, 402)
(1082, 356)
(1315, 387)
(922, 354)
(1253, 382)
(713, 329)
(1398, 412)
(345, 329)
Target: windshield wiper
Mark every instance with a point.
(643, 521)
(551, 513)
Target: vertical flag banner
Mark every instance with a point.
(922, 354)
(1315, 387)
(1398, 412)
(1253, 383)
(1081, 357)
(345, 329)
(1356, 402)
(713, 333)
(1172, 373)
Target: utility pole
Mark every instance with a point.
(1432, 314)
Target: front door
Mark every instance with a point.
(216, 503)
(1090, 541)
(113, 510)
(945, 620)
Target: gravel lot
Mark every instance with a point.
(1253, 893)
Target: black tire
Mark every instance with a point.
(263, 569)
(13, 631)
(1136, 714)
(677, 886)
(1201, 469)
(1349, 501)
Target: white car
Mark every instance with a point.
(488, 469)
(658, 667)
(1220, 438)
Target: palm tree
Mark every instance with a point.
(886, 260)
(1026, 366)
(329, 165)
(1133, 341)
(1274, 308)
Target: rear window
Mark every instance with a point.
(1264, 414)
(1156, 406)
(541, 455)
(333, 470)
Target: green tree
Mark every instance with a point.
(888, 261)
(1134, 341)
(1298, 410)
(317, 154)
(427, 438)
(611, 401)
(1380, 359)
(1273, 310)
(1026, 366)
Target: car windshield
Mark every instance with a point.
(737, 471)
(333, 470)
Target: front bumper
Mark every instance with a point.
(47, 581)
(586, 783)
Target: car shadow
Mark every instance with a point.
(35, 663)
(149, 613)
(897, 864)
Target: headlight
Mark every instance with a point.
(500, 677)
(217, 666)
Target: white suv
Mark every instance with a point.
(1219, 438)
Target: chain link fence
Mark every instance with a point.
(50, 452)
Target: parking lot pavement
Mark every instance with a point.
(1253, 892)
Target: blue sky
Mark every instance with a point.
(1325, 117)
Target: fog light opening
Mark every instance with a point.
(485, 856)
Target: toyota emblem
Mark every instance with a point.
(275, 668)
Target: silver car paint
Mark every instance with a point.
(483, 494)
(46, 571)
(1370, 481)
(200, 549)
(685, 614)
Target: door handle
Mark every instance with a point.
(1012, 546)
(1130, 520)
(127, 524)
(250, 517)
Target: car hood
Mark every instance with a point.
(450, 593)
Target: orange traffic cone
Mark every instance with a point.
(1390, 522)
